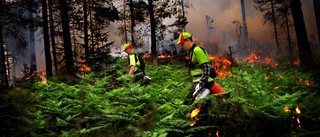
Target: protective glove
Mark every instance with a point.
(196, 89)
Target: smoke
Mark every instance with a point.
(225, 11)
(224, 33)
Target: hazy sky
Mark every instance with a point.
(224, 11)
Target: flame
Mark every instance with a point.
(308, 83)
(211, 57)
(217, 134)
(162, 56)
(83, 66)
(43, 78)
(253, 57)
(299, 81)
(195, 112)
(270, 62)
(296, 62)
(298, 111)
(286, 109)
(193, 115)
(298, 120)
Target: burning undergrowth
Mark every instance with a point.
(261, 102)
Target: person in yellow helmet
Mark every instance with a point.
(200, 68)
(136, 66)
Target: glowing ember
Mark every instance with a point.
(217, 134)
(194, 122)
(161, 56)
(298, 111)
(299, 81)
(286, 109)
(193, 115)
(83, 67)
(195, 112)
(308, 83)
(296, 62)
(43, 78)
(253, 57)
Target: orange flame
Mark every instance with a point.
(286, 109)
(217, 134)
(308, 83)
(296, 62)
(195, 112)
(253, 57)
(298, 111)
(193, 115)
(162, 56)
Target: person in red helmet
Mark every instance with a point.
(200, 67)
(136, 66)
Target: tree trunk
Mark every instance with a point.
(316, 4)
(288, 31)
(91, 29)
(33, 61)
(153, 34)
(275, 25)
(47, 50)
(53, 44)
(4, 79)
(244, 18)
(305, 54)
(66, 38)
(132, 23)
(124, 21)
(85, 27)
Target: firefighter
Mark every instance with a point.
(199, 65)
(136, 66)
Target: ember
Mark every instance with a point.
(286, 109)
(193, 115)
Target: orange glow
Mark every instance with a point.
(298, 120)
(296, 62)
(286, 109)
(299, 81)
(195, 112)
(217, 134)
(43, 78)
(161, 56)
(276, 88)
(193, 115)
(82, 66)
(146, 55)
(211, 57)
(308, 83)
(298, 111)
(253, 57)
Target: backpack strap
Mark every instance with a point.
(191, 53)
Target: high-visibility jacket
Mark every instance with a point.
(133, 61)
(198, 56)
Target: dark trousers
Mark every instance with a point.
(137, 77)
